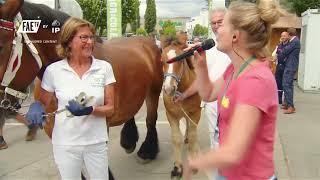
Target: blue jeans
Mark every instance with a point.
(219, 177)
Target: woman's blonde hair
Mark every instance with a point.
(68, 31)
(256, 21)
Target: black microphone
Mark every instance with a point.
(207, 44)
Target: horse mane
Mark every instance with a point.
(167, 40)
(30, 11)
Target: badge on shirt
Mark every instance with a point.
(225, 102)
(97, 80)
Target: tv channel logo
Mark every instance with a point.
(55, 26)
(29, 26)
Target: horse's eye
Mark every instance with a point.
(1, 49)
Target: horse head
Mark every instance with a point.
(8, 10)
(174, 72)
(24, 55)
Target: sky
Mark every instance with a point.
(174, 8)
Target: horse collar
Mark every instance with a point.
(6, 25)
(15, 59)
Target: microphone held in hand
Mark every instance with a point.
(207, 44)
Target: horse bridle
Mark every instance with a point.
(6, 103)
(174, 76)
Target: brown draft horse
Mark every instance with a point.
(135, 61)
(178, 77)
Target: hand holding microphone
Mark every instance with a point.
(207, 44)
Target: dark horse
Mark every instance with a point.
(135, 61)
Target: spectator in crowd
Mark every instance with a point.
(280, 63)
(291, 55)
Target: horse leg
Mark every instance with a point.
(193, 147)
(177, 142)
(186, 133)
(150, 147)
(129, 136)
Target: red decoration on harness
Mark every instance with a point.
(6, 25)
(15, 63)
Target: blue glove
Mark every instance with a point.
(77, 109)
(35, 114)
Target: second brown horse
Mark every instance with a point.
(178, 77)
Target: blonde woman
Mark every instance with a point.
(246, 94)
(79, 139)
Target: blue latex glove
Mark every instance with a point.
(77, 109)
(35, 114)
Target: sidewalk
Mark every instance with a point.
(297, 148)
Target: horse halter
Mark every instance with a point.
(175, 76)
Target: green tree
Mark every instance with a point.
(128, 13)
(168, 28)
(95, 11)
(200, 30)
(141, 32)
(302, 5)
(135, 24)
(150, 16)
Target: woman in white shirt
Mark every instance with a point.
(78, 139)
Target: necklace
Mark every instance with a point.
(224, 99)
(245, 64)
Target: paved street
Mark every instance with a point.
(297, 152)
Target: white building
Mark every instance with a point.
(219, 3)
(202, 19)
(309, 72)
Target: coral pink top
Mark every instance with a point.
(255, 87)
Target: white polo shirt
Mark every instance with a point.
(61, 79)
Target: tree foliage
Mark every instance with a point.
(141, 32)
(135, 24)
(128, 13)
(301, 6)
(200, 30)
(168, 28)
(150, 16)
(95, 11)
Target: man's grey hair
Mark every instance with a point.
(215, 10)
